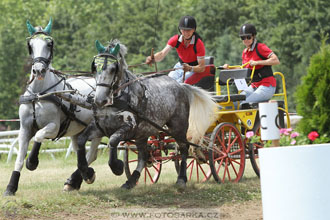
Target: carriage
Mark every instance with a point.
(225, 145)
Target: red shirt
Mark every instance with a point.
(187, 54)
(251, 54)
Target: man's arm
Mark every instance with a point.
(197, 69)
(159, 56)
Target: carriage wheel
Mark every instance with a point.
(226, 153)
(254, 153)
(196, 171)
(150, 172)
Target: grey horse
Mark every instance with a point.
(131, 108)
(45, 116)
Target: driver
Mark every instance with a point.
(190, 49)
(263, 84)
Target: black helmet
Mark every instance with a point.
(187, 23)
(247, 29)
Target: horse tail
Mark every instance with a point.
(201, 114)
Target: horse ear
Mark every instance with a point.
(115, 50)
(30, 28)
(48, 28)
(100, 48)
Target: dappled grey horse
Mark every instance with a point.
(131, 108)
(45, 116)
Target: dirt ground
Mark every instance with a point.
(250, 210)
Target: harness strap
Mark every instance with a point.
(43, 60)
(96, 119)
(161, 128)
(35, 125)
(53, 86)
(69, 112)
(265, 71)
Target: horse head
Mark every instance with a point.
(109, 66)
(40, 45)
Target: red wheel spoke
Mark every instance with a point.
(229, 140)
(228, 151)
(192, 168)
(205, 175)
(197, 172)
(235, 161)
(149, 175)
(190, 163)
(232, 143)
(225, 170)
(235, 152)
(232, 165)
(219, 158)
(135, 151)
(157, 170)
(220, 164)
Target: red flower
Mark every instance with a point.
(313, 135)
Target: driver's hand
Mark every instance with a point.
(253, 63)
(149, 60)
(186, 67)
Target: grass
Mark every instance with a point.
(40, 195)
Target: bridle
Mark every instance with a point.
(43, 60)
(97, 60)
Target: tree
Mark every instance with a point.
(313, 95)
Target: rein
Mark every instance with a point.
(148, 74)
(83, 73)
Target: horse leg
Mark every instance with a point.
(92, 153)
(142, 158)
(75, 180)
(182, 177)
(86, 172)
(24, 137)
(116, 165)
(32, 161)
(49, 131)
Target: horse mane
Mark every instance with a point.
(122, 51)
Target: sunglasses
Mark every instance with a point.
(246, 37)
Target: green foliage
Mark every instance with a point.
(291, 28)
(313, 95)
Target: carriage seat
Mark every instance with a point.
(233, 98)
(250, 105)
(232, 74)
(204, 80)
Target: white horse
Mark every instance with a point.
(49, 117)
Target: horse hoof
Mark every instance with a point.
(31, 165)
(91, 180)
(117, 167)
(8, 193)
(181, 184)
(126, 186)
(68, 188)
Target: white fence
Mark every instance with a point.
(9, 145)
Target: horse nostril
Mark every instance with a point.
(43, 71)
(34, 71)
